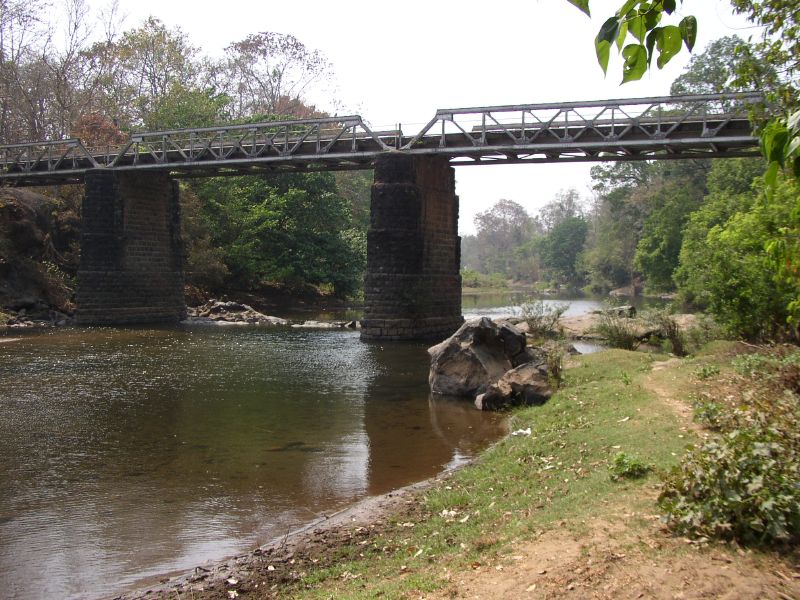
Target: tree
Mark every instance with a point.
(500, 231)
(561, 247)
(269, 73)
(566, 205)
(743, 292)
(288, 229)
(730, 185)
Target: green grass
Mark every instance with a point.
(520, 487)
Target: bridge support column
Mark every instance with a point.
(131, 267)
(413, 283)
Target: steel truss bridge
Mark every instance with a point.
(671, 127)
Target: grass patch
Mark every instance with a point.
(522, 486)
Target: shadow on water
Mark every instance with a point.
(125, 453)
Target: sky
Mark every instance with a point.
(397, 62)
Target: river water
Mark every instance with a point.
(129, 453)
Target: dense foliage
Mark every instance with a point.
(242, 232)
(744, 482)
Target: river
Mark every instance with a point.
(129, 453)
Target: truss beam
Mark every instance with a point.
(671, 127)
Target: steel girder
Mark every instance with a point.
(671, 127)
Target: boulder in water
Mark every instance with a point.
(527, 384)
(475, 356)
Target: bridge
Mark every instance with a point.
(131, 263)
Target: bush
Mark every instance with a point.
(542, 318)
(706, 371)
(708, 414)
(473, 279)
(706, 330)
(626, 466)
(618, 331)
(744, 484)
(669, 330)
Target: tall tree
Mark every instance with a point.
(501, 230)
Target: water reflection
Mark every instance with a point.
(129, 453)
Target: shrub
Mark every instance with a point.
(708, 414)
(627, 466)
(706, 330)
(555, 369)
(543, 318)
(744, 484)
(706, 371)
(669, 329)
(618, 331)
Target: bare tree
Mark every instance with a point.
(269, 73)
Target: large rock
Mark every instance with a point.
(475, 356)
(525, 385)
(217, 312)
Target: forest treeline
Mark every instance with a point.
(79, 74)
(710, 230)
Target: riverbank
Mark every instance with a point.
(537, 515)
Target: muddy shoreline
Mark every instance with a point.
(280, 561)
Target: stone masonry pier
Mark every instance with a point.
(413, 283)
(131, 268)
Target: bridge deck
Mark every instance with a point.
(702, 126)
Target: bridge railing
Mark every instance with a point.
(602, 123)
(230, 144)
(250, 142)
(622, 129)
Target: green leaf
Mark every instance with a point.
(651, 42)
(582, 5)
(603, 50)
(608, 31)
(669, 6)
(688, 28)
(605, 37)
(771, 176)
(668, 42)
(635, 56)
(626, 8)
(794, 144)
(776, 149)
(623, 31)
(637, 29)
(793, 123)
(652, 18)
(796, 167)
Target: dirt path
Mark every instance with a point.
(613, 561)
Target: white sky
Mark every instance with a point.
(397, 62)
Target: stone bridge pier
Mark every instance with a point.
(131, 267)
(413, 283)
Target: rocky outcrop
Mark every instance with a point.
(218, 312)
(38, 252)
(477, 356)
(525, 385)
